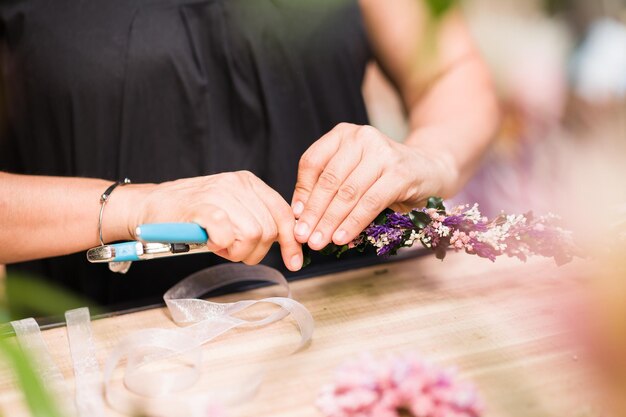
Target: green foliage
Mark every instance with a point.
(329, 249)
(442, 248)
(438, 8)
(419, 218)
(38, 399)
(436, 203)
(306, 255)
(25, 296)
(341, 249)
(382, 217)
(28, 296)
(555, 7)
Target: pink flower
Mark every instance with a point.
(460, 240)
(215, 410)
(465, 229)
(394, 386)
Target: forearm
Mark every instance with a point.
(455, 121)
(48, 216)
(443, 82)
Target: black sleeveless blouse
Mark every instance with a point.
(156, 90)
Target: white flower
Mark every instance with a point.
(443, 230)
(473, 214)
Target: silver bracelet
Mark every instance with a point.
(103, 201)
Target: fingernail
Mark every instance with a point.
(316, 238)
(298, 208)
(301, 229)
(296, 262)
(340, 236)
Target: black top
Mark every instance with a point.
(156, 90)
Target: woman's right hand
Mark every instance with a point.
(242, 215)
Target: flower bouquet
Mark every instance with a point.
(464, 228)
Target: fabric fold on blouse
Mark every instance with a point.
(157, 90)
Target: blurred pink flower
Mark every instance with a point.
(397, 386)
(215, 410)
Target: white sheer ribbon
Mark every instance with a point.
(150, 391)
(88, 377)
(32, 342)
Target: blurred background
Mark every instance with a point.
(560, 71)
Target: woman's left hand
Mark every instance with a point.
(350, 175)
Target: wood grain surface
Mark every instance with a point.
(507, 326)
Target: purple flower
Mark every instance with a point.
(455, 221)
(384, 238)
(479, 227)
(395, 240)
(431, 237)
(484, 250)
(463, 224)
(375, 230)
(399, 220)
(465, 228)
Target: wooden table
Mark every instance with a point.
(502, 324)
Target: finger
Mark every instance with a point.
(218, 225)
(312, 164)
(268, 236)
(326, 188)
(258, 254)
(267, 232)
(247, 230)
(346, 199)
(374, 201)
(283, 217)
(246, 242)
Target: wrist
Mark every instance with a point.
(441, 170)
(433, 173)
(121, 213)
(447, 173)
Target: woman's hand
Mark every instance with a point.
(351, 174)
(242, 215)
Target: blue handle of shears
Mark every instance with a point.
(126, 251)
(172, 233)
